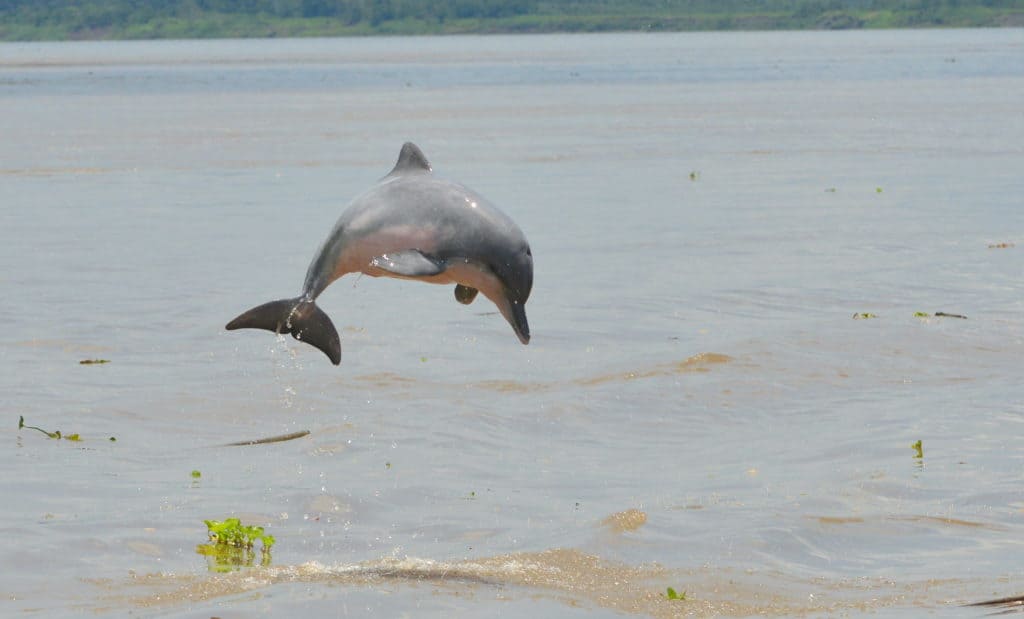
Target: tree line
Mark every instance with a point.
(100, 14)
(135, 18)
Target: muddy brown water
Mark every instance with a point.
(697, 408)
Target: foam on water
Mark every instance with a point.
(571, 577)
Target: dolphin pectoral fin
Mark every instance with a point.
(408, 263)
(301, 318)
(465, 294)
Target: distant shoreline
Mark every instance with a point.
(28, 26)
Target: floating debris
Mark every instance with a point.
(93, 361)
(270, 439)
(1015, 601)
(55, 434)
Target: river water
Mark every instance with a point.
(698, 408)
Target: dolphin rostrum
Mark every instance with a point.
(410, 225)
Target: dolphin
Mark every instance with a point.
(410, 225)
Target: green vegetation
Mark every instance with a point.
(671, 594)
(232, 532)
(55, 434)
(918, 450)
(232, 545)
(196, 475)
(864, 316)
(154, 19)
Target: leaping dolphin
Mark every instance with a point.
(410, 225)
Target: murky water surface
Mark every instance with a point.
(697, 410)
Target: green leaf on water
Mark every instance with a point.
(864, 316)
(75, 437)
(196, 474)
(918, 450)
(922, 315)
(232, 532)
(671, 594)
(22, 424)
(232, 544)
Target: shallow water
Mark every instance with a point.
(697, 408)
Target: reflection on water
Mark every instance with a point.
(934, 520)
(702, 362)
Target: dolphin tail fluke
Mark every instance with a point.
(300, 317)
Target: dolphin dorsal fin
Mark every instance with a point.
(411, 159)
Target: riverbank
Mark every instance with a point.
(30, 25)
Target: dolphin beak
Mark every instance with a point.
(516, 317)
(514, 313)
